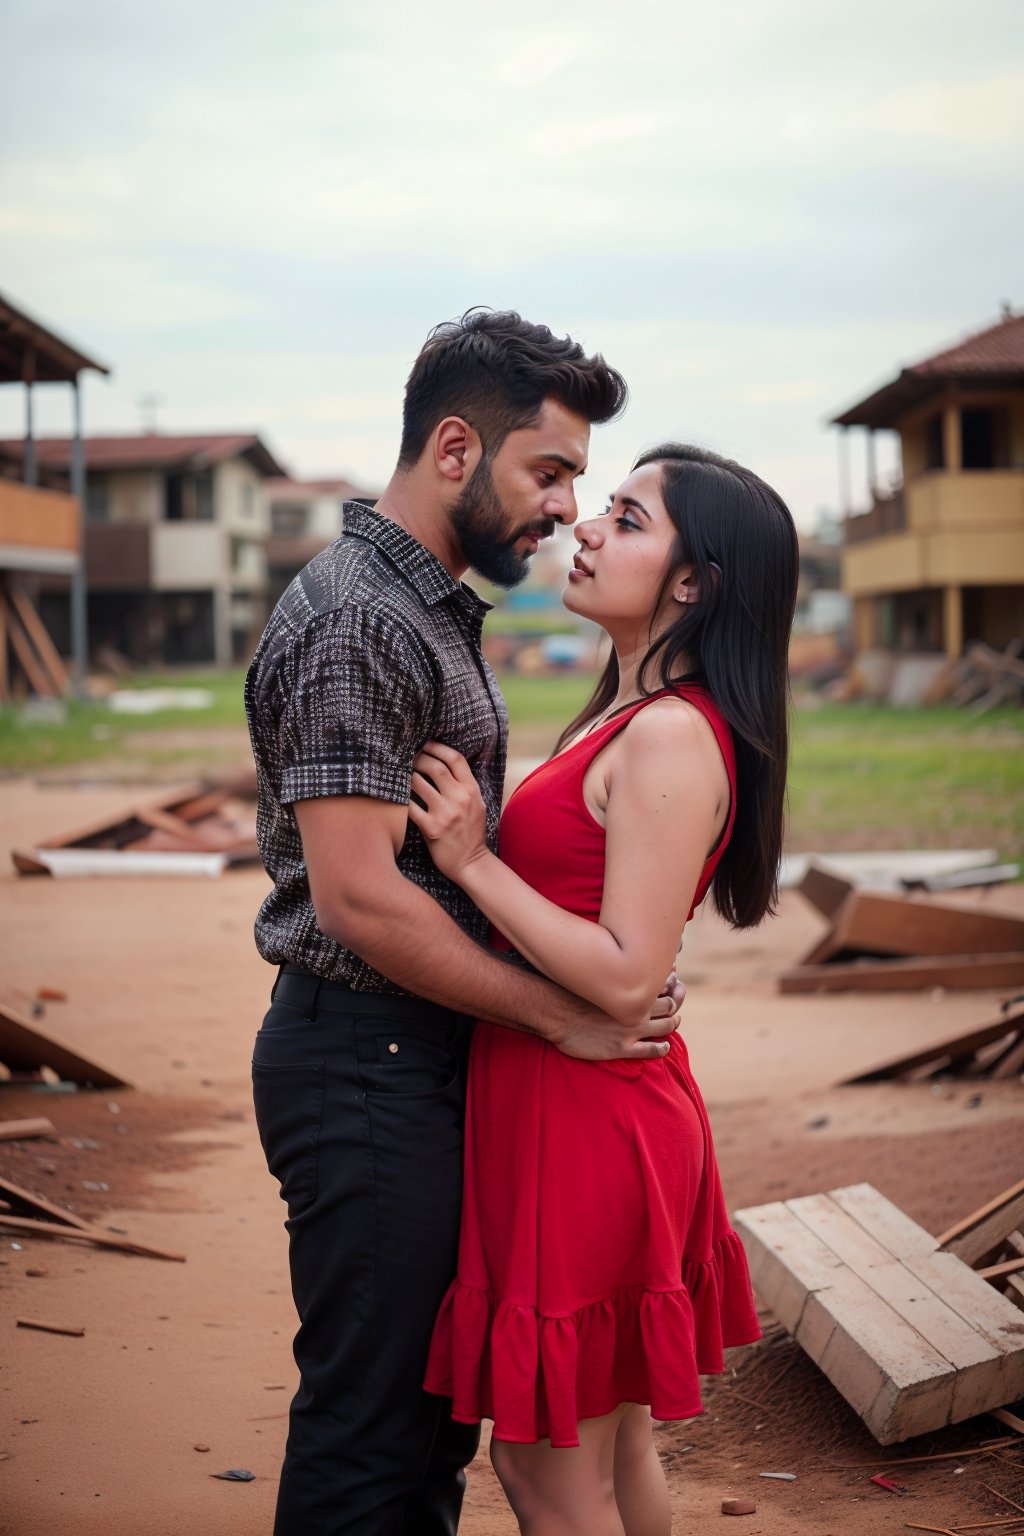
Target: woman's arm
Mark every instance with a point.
(667, 797)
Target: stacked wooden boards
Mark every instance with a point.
(909, 1334)
(883, 943)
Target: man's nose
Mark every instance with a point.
(561, 506)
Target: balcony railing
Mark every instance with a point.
(887, 514)
(33, 518)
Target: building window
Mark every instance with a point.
(985, 436)
(97, 498)
(934, 447)
(288, 519)
(204, 496)
(248, 498)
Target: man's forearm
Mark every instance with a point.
(403, 933)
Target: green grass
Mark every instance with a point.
(861, 776)
(92, 731)
(866, 776)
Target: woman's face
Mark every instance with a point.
(624, 556)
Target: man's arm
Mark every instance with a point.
(363, 901)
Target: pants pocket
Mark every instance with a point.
(400, 1058)
(289, 1103)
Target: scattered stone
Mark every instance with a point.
(201, 1448)
(780, 1477)
(739, 1507)
(235, 1475)
(37, 1274)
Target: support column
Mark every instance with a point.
(844, 472)
(951, 436)
(28, 374)
(79, 610)
(222, 626)
(872, 471)
(953, 621)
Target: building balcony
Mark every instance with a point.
(158, 557)
(886, 515)
(39, 529)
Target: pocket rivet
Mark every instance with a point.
(393, 1048)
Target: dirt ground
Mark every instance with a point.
(163, 985)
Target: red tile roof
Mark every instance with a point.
(283, 488)
(997, 350)
(153, 450)
(996, 354)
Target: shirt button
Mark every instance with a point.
(393, 1048)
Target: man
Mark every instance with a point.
(359, 1069)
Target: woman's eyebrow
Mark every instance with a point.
(631, 501)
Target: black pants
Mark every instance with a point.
(360, 1102)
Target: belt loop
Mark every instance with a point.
(309, 1011)
(277, 980)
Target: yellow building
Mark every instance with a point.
(938, 559)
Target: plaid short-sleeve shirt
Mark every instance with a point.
(373, 650)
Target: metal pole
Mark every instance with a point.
(28, 374)
(79, 616)
(844, 472)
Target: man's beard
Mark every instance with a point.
(481, 525)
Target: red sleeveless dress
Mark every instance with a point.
(597, 1264)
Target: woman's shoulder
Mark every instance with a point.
(672, 724)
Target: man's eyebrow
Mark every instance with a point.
(558, 458)
(631, 501)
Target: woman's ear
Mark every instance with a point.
(685, 589)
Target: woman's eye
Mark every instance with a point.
(626, 522)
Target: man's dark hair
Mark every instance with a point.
(495, 369)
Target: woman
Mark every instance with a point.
(598, 1274)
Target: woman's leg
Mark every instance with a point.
(564, 1492)
(641, 1491)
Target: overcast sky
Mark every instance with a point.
(757, 210)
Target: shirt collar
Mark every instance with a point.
(421, 569)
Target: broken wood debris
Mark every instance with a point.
(991, 1049)
(24, 1130)
(26, 1047)
(215, 818)
(908, 1333)
(45, 1327)
(985, 677)
(894, 943)
(85, 1234)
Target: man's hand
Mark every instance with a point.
(593, 1036)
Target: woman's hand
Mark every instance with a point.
(452, 817)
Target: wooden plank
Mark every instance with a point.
(110, 824)
(24, 1047)
(44, 1327)
(825, 892)
(886, 1371)
(1010, 1063)
(976, 1236)
(948, 1276)
(870, 924)
(23, 1130)
(998, 1271)
(38, 678)
(33, 1202)
(1010, 1420)
(84, 1234)
(887, 1317)
(977, 1362)
(954, 972)
(952, 1048)
(40, 636)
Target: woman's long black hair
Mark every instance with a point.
(739, 537)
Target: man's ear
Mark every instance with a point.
(457, 449)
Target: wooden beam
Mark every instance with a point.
(38, 678)
(33, 1202)
(85, 1234)
(24, 1047)
(957, 972)
(23, 1130)
(978, 1235)
(869, 924)
(825, 892)
(952, 1047)
(40, 637)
